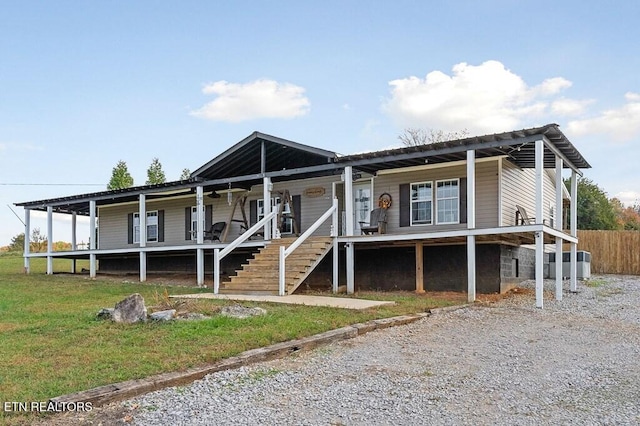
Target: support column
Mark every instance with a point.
(539, 268)
(419, 267)
(267, 187)
(74, 239)
(336, 254)
(142, 214)
(574, 233)
(199, 236)
(350, 268)
(471, 224)
(27, 240)
(92, 239)
(49, 240)
(558, 225)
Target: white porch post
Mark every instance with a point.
(49, 240)
(92, 239)
(142, 213)
(199, 236)
(574, 232)
(348, 204)
(74, 239)
(471, 224)
(267, 186)
(27, 240)
(558, 225)
(539, 155)
(216, 271)
(336, 257)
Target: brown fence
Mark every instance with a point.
(612, 252)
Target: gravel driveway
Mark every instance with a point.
(574, 362)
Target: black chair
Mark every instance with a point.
(215, 231)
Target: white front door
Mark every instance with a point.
(362, 204)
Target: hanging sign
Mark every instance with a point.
(314, 192)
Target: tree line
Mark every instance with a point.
(121, 178)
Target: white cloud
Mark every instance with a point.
(14, 146)
(482, 99)
(570, 107)
(628, 198)
(262, 98)
(620, 124)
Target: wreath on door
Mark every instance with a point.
(385, 200)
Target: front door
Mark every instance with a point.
(361, 204)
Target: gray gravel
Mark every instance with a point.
(574, 362)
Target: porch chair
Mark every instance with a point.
(377, 222)
(522, 218)
(215, 231)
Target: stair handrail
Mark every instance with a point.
(284, 253)
(220, 254)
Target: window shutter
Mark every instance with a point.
(208, 217)
(297, 209)
(253, 212)
(160, 226)
(187, 223)
(130, 228)
(463, 200)
(405, 207)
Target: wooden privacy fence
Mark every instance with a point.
(612, 252)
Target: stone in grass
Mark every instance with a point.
(238, 311)
(130, 310)
(167, 315)
(105, 314)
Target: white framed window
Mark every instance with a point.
(448, 201)
(287, 222)
(422, 203)
(152, 227)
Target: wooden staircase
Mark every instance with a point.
(260, 275)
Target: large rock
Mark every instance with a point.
(130, 310)
(238, 311)
(105, 314)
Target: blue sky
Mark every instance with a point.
(85, 84)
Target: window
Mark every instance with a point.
(287, 221)
(152, 227)
(421, 203)
(448, 201)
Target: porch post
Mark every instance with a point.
(266, 203)
(558, 225)
(539, 162)
(471, 224)
(574, 232)
(199, 236)
(419, 267)
(92, 239)
(334, 234)
(27, 240)
(348, 203)
(142, 213)
(49, 240)
(74, 239)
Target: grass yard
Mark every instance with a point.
(51, 342)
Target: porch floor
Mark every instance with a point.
(294, 299)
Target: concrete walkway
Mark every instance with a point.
(294, 299)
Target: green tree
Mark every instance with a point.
(155, 175)
(17, 244)
(120, 177)
(595, 211)
(186, 174)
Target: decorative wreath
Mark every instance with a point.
(385, 200)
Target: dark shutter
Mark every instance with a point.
(187, 223)
(253, 212)
(463, 200)
(130, 228)
(208, 217)
(405, 206)
(296, 201)
(160, 226)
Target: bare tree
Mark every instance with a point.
(413, 136)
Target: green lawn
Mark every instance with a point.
(51, 342)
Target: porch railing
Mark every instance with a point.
(284, 253)
(220, 254)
